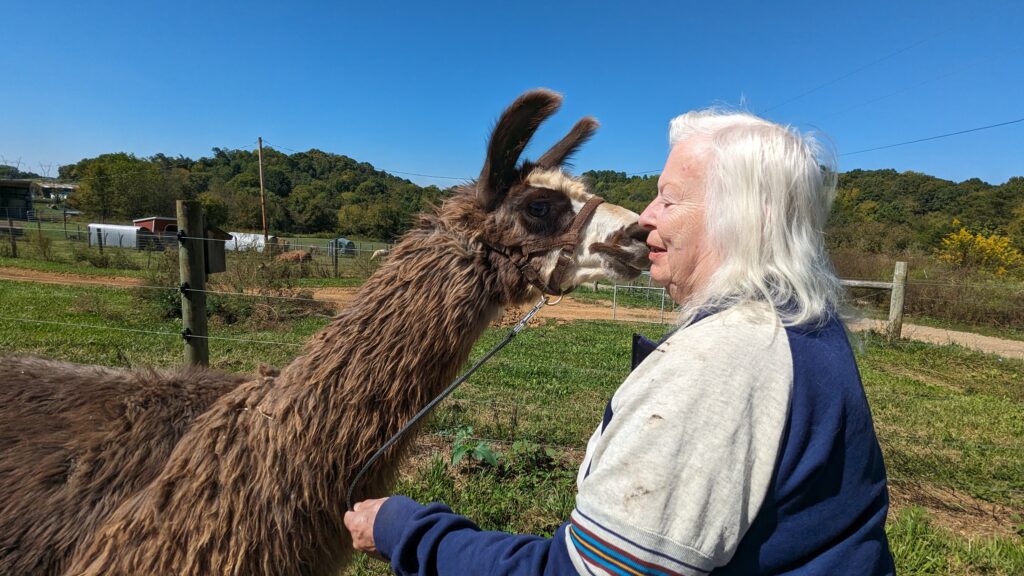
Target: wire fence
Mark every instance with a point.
(964, 301)
(938, 446)
(491, 403)
(133, 248)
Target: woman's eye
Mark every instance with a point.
(538, 209)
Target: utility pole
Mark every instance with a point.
(263, 201)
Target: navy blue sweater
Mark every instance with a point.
(824, 512)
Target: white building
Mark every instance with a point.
(247, 241)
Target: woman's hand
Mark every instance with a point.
(360, 524)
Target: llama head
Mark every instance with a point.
(530, 208)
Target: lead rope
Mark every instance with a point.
(444, 394)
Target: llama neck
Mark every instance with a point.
(411, 323)
(411, 328)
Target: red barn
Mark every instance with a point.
(158, 224)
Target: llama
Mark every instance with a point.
(253, 481)
(379, 254)
(295, 256)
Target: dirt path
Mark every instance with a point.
(570, 309)
(990, 344)
(66, 278)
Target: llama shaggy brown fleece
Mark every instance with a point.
(76, 440)
(256, 483)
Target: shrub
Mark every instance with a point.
(993, 253)
(248, 276)
(42, 247)
(936, 289)
(109, 258)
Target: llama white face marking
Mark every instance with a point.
(612, 244)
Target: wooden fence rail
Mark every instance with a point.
(897, 288)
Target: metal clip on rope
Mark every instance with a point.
(444, 394)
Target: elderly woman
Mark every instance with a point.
(742, 443)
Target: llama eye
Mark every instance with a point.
(538, 209)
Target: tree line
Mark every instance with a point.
(881, 211)
(306, 192)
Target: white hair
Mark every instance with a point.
(769, 190)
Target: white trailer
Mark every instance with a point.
(113, 235)
(241, 241)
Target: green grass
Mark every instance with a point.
(920, 549)
(142, 337)
(640, 296)
(948, 418)
(65, 267)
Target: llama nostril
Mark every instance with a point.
(638, 232)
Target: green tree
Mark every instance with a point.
(309, 208)
(215, 209)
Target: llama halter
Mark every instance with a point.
(444, 394)
(520, 254)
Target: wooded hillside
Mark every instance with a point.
(319, 192)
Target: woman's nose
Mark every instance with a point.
(647, 217)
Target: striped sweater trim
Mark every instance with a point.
(608, 552)
(654, 558)
(610, 559)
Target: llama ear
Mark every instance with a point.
(510, 136)
(568, 146)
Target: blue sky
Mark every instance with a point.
(415, 86)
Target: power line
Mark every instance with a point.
(379, 168)
(934, 137)
(270, 144)
(460, 178)
(904, 89)
(857, 70)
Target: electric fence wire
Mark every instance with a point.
(949, 443)
(915, 282)
(140, 331)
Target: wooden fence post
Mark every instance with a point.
(14, 243)
(899, 285)
(192, 270)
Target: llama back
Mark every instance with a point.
(75, 441)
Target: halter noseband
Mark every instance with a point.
(520, 255)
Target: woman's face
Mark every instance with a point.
(681, 256)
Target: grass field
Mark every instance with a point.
(951, 421)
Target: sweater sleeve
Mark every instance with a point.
(431, 539)
(681, 470)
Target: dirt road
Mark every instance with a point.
(570, 309)
(37, 276)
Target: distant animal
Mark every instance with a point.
(379, 254)
(115, 472)
(295, 256)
